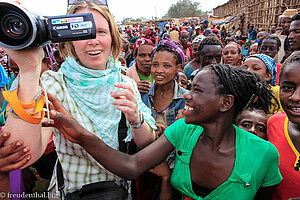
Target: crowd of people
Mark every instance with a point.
(193, 111)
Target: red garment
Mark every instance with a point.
(277, 75)
(189, 51)
(50, 147)
(290, 185)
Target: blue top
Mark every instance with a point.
(176, 104)
(3, 76)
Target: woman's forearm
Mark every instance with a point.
(121, 164)
(30, 133)
(143, 135)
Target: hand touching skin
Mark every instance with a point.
(144, 86)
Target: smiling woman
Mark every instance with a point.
(214, 158)
(91, 86)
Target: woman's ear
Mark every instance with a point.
(227, 103)
(268, 76)
(179, 69)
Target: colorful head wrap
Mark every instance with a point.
(142, 41)
(271, 65)
(175, 46)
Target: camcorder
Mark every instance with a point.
(20, 29)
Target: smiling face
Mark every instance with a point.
(231, 55)
(256, 65)
(94, 53)
(290, 91)
(143, 59)
(164, 67)
(254, 122)
(203, 101)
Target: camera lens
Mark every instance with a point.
(14, 26)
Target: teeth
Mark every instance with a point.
(295, 109)
(188, 108)
(159, 76)
(93, 52)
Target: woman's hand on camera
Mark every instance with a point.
(12, 155)
(63, 121)
(28, 60)
(126, 102)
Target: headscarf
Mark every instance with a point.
(142, 41)
(234, 44)
(271, 65)
(175, 46)
(198, 39)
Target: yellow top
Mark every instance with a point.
(286, 122)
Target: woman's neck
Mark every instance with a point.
(219, 134)
(165, 90)
(143, 73)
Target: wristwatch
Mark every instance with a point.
(138, 125)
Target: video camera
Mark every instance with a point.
(20, 29)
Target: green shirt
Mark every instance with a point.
(145, 78)
(256, 163)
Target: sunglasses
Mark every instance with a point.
(97, 2)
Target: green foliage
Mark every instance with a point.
(184, 8)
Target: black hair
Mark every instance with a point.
(165, 48)
(270, 37)
(209, 41)
(239, 117)
(295, 57)
(245, 86)
(296, 17)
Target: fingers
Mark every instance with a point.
(11, 161)
(124, 86)
(11, 166)
(57, 106)
(3, 138)
(144, 86)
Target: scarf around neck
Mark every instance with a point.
(91, 91)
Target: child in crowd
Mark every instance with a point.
(265, 67)
(253, 49)
(284, 129)
(254, 121)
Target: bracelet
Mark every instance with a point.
(138, 125)
(18, 108)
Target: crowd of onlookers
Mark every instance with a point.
(164, 63)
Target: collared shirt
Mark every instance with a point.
(176, 104)
(79, 167)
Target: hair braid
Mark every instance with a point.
(243, 85)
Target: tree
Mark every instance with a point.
(184, 8)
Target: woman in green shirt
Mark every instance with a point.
(214, 158)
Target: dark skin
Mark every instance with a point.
(290, 99)
(11, 158)
(216, 142)
(164, 69)
(210, 54)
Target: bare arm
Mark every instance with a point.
(29, 62)
(123, 165)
